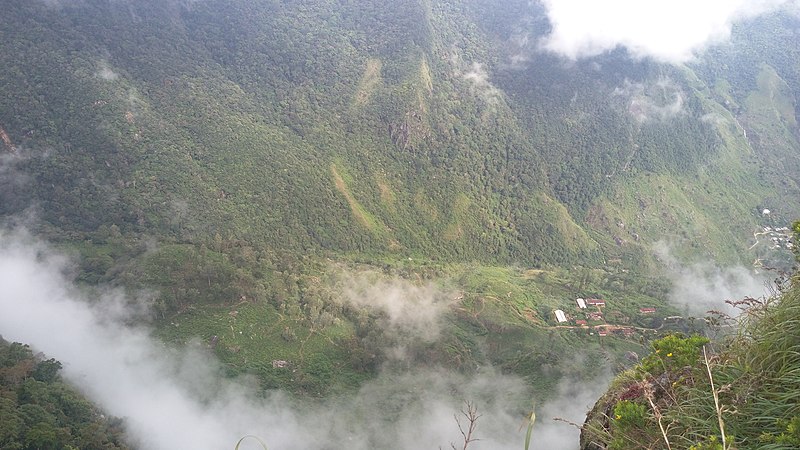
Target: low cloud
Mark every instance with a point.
(430, 400)
(478, 78)
(672, 31)
(105, 72)
(411, 309)
(520, 48)
(661, 100)
(702, 287)
(575, 398)
(179, 398)
(14, 183)
(713, 118)
(8, 165)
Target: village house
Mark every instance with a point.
(595, 302)
(647, 310)
(628, 332)
(595, 316)
(581, 303)
(560, 316)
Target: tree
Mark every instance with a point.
(47, 371)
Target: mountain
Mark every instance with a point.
(403, 129)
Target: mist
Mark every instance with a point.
(410, 309)
(178, 397)
(658, 101)
(478, 78)
(105, 73)
(700, 287)
(672, 31)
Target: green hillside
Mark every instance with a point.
(388, 130)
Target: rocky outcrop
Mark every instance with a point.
(7, 145)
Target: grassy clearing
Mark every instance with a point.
(256, 337)
(363, 216)
(652, 208)
(370, 80)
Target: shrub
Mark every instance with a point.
(673, 352)
(628, 414)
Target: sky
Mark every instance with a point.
(672, 31)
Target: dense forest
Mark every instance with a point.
(389, 129)
(41, 412)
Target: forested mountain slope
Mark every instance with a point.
(41, 411)
(409, 128)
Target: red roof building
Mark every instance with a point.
(647, 310)
(595, 302)
(628, 332)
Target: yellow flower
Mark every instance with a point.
(669, 354)
(618, 417)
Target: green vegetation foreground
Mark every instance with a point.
(744, 396)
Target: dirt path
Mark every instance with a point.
(755, 236)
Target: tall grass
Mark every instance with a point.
(746, 395)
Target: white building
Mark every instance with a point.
(560, 316)
(581, 303)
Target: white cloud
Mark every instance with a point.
(411, 309)
(174, 398)
(105, 72)
(661, 100)
(520, 45)
(700, 287)
(575, 398)
(713, 118)
(479, 79)
(666, 30)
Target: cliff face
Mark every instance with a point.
(6, 140)
(597, 423)
(602, 429)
